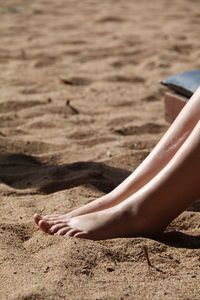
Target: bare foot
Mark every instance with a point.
(109, 223)
(99, 204)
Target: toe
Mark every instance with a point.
(81, 235)
(59, 218)
(56, 227)
(44, 226)
(63, 231)
(38, 218)
(72, 232)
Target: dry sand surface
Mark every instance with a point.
(80, 108)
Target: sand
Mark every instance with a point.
(80, 107)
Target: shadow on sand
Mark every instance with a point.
(179, 240)
(22, 171)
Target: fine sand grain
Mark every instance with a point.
(80, 108)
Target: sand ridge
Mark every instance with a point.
(80, 108)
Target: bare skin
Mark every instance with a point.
(149, 210)
(151, 166)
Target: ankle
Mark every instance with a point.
(150, 224)
(143, 221)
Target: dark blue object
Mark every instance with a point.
(184, 83)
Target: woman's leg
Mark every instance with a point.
(149, 210)
(156, 160)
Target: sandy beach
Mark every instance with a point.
(80, 108)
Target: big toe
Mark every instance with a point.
(37, 218)
(45, 225)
